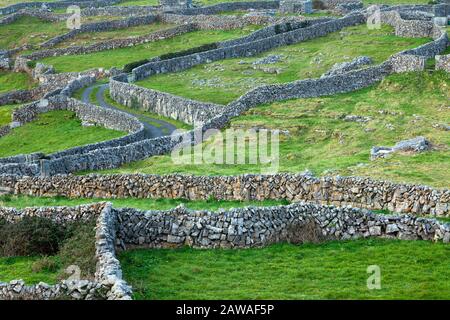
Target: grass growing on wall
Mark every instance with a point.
(224, 81)
(143, 204)
(334, 270)
(120, 57)
(400, 107)
(50, 132)
(10, 81)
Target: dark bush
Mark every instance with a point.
(79, 248)
(304, 232)
(130, 66)
(319, 5)
(30, 236)
(202, 48)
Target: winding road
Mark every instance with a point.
(153, 127)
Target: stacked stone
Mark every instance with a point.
(260, 226)
(339, 191)
(296, 6)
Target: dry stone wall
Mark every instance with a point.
(178, 108)
(55, 5)
(113, 44)
(107, 283)
(339, 191)
(260, 226)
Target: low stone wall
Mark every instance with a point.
(408, 28)
(245, 49)
(261, 226)
(101, 26)
(35, 13)
(113, 44)
(175, 107)
(339, 191)
(230, 6)
(107, 283)
(55, 5)
(213, 22)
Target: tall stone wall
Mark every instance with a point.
(339, 191)
(168, 105)
(260, 226)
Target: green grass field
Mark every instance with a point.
(120, 57)
(333, 270)
(14, 268)
(5, 114)
(87, 38)
(10, 81)
(224, 81)
(402, 106)
(29, 30)
(50, 132)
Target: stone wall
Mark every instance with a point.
(443, 62)
(55, 5)
(107, 283)
(339, 191)
(113, 44)
(230, 6)
(101, 26)
(165, 104)
(261, 226)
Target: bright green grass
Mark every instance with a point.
(14, 268)
(122, 56)
(50, 132)
(143, 204)
(138, 3)
(321, 142)
(29, 30)
(333, 270)
(229, 79)
(5, 113)
(10, 81)
(88, 38)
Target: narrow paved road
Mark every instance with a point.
(153, 127)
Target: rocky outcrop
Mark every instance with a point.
(415, 145)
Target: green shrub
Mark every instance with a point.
(130, 66)
(45, 264)
(30, 236)
(31, 64)
(79, 248)
(318, 4)
(202, 48)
